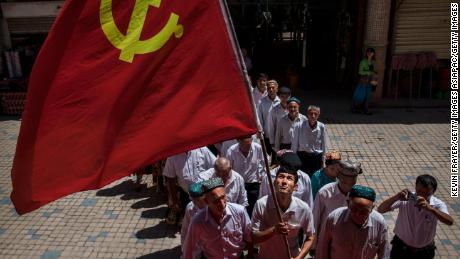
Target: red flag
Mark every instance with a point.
(120, 84)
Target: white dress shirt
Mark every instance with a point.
(284, 133)
(251, 168)
(263, 109)
(235, 191)
(257, 95)
(298, 216)
(328, 198)
(274, 115)
(416, 226)
(303, 191)
(190, 211)
(187, 166)
(340, 238)
(219, 240)
(308, 139)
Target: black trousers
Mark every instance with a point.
(184, 200)
(252, 190)
(285, 146)
(402, 251)
(310, 162)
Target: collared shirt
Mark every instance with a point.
(341, 238)
(298, 216)
(263, 109)
(274, 115)
(303, 191)
(318, 180)
(190, 211)
(219, 240)
(416, 226)
(226, 145)
(257, 95)
(308, 139)
(187, 166)
(284, 133)
(327, 199)
(251, 168)
(235, 191)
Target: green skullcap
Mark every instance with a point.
(293, 99)
(211, 184)
(195, 190)
(362, 192)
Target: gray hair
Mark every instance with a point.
(313, 107)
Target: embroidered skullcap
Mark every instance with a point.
(195, 190)
(211, 184)
(293, 99)
(362, 192)
(290, 161)
(350, 168)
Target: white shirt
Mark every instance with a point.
(263, 109)
(298, 216)
(309, 140)
(275, 114)
(190, 211)
(416, 226)
(284, 133)
(187, 166)
(257, 95)
(342, 239)
(251, 168)
(328, 198)
(226, 145)
(235, 191)
(219, 240)
(303, 186)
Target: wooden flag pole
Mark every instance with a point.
(247, 80)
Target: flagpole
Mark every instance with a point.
(247, 80)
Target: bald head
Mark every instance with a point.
(223, 168)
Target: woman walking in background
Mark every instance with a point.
(367, 83)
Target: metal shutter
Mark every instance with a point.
(423, 25)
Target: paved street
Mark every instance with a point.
(394, 145)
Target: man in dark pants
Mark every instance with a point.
(310, 141)
(418, 217)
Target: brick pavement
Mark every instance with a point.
(395, 145)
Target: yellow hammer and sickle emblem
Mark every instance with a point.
(130, 44)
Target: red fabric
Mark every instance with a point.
(91, 118)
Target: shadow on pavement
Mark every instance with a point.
(151, 202)
(156, 213)
(128, 191)
(161, 230)
(167, 253)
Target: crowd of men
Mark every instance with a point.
(227, 206)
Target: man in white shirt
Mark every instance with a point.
(246, 158)
(233, 182)
(284, 133)
(222, 229)
(263, 110)
(277, 112)
(269, 233)
(334, 195)
(184, 169)
(418, 217)
(310, 141)
(260, 90)
(355, 231)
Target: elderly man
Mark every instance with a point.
(268, 232)
(310, 141)
(277, 112)
(327, 174)
(418, 217)
(355, 231)
(233, 182)
(184, 169)
(246, 158)
(334, 195)
(260, 90)
(290, 162)
(263, 110)
(284, 133)
(221, 230)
